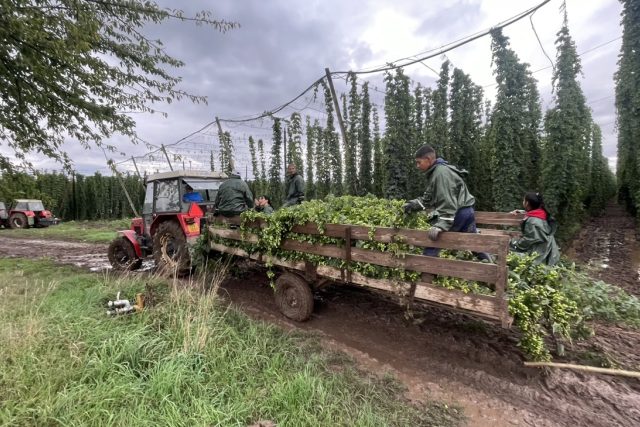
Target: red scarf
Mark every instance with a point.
(537, 213)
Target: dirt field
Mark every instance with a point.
(445, 356)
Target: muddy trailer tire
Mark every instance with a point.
(170, 249)
(294, 297)
(122, 255)
(18, 220)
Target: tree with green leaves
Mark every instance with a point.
(254, 158)
(509, 121)
(255, 169)
(379, 163)
(399, 134)
(311, 134)
(332, 146)
(531, 135)
(322, 162)
(627, 106)
(365, 149)
(465, 127)
(439, 120)
(263, 168)
(75, 69)
(227, 161)
(294, 149)
(275, 168)
(426, 136)
(416, 177)
(602, 184)
(353, 135)
(568, 129)
(483, 181)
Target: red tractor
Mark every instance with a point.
(174, 205)
(26, 213)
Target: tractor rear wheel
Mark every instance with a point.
(122, 255)
(170, 250)
(294, 297)
(18, 220)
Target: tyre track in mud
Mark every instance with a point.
(437, 356)
(453, 358)
(609, 246)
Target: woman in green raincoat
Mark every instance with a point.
(538, 229)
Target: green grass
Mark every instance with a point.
(185, 360)
(84, 231)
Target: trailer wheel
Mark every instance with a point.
(294, 297)
(122, 255)
(18, 220)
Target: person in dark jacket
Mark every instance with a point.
(447, 195)
(294, 187)
(263, 204)
(538, 229)
(234, 197)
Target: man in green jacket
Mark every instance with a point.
(294, 187)
(447, 195)
(234, 197)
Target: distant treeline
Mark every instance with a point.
(75, 196)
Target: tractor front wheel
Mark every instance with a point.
(122, 255)
(18, 220)
(294, 297)
(170, 251)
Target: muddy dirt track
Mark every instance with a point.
(440, 355)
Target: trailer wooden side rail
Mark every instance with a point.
(295, 298)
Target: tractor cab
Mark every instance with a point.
(174, 205)
(4, 215)
(26, 213)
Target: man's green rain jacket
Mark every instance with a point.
(234, 196)
(294, 190)
(446, 192)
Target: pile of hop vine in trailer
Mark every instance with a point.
(540, 299)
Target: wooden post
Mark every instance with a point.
(135, 165)
(501, 286)
(164, 150)
(219, 127)
(347, 246)
(336, 104)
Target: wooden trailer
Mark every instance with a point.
(295, 287)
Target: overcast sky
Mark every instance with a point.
(283, 46)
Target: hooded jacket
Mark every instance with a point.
(446, 192)
(294, 190)
(234, 195)
(538, 237)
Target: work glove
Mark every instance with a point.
(433, 233)
(410, 207)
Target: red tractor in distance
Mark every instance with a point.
(170, 223)
(25, 213)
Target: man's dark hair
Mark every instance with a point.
(425, 151)
(266, 198)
